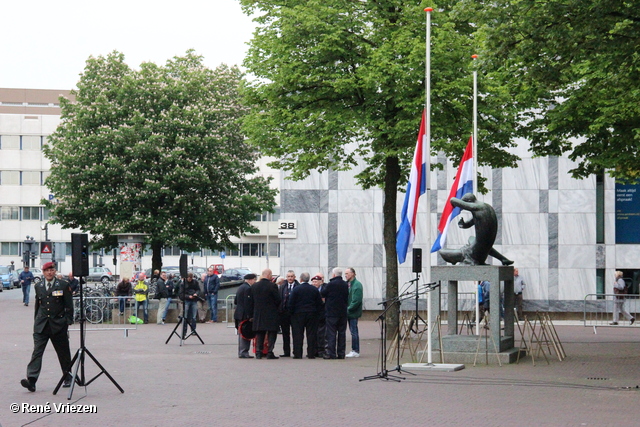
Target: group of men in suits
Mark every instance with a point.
(310, 307)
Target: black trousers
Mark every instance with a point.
(336, 327)
(301, 323)
(271, 340)
(285, 325)
(60, 343)
(321, 337)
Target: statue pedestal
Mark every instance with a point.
(462, 348)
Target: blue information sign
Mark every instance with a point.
(627, 213)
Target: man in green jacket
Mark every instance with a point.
(354, 310)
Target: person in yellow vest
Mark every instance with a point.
(140, 293)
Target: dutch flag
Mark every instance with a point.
(415, 188)
(462, 185)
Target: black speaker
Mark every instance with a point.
(183, 265)
(417, 260)
(79, 254)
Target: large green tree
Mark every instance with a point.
(158, 150)
(575, 76)
(334, 72)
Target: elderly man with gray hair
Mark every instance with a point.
(336, 295)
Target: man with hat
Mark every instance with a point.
(53, 315)
(244, 311)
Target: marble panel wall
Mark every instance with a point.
(547, 226)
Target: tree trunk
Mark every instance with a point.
(156, 258)
(389, 233)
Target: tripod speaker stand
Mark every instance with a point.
(78, 359)
(183, 319)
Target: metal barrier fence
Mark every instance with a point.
(599, 309)
(230, 308)
(103, 313)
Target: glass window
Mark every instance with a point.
(171, 250)
(10, 178)
(275, 216)
(233, 251)
(30, 213)
(9, 248)
(31, 177)
(209, 252)
(30, 142)
(45, 214)
(10, 212)
(10, 142)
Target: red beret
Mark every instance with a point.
(48, 265)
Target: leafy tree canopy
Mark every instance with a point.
(339, 81)
(157, 150)
(575, 76)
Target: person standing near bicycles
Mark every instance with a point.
(123, 291)
(164, 292)
(141, 295)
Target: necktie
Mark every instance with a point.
(49, 286)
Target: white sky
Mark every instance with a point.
(44, 44)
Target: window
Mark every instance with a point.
(233, 251)
(30, 213)
(30, 142)
(45, 214)
(250, 249)
(274, 249)
(9, 248)
(9, 177)
(10, 212)
(10, 142)
(209, 252)
(171, 250)
(31, 177)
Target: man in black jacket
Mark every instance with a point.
(211, 288)
(244, 311)
(164, 292)
(336, 295)
(305, 303)
(53, 315)
(189, 293)
(266, 300)
(285, 316)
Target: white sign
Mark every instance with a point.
(287, 229)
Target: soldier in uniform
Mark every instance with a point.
(53, 315)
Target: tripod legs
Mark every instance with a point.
(184, 335)
(78, 360)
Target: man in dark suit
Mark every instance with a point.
(318, 282)
(244, 311)
(53, 315)
(336, 295)
(285, 316)
(305, 303)
(266, 300)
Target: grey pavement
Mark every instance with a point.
(197, 385)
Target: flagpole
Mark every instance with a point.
(475, 165)
(427, 82)
(475, 128)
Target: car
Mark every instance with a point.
(233, 274)
(5, 276)
(100, 274)
(37, 276)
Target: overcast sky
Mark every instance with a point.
(44, 44)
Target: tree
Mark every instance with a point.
(157, 150)
(331, 72)
(575, 73)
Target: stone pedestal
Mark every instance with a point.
(455, 345)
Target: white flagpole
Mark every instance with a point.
(427, 82)
(475, 166)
